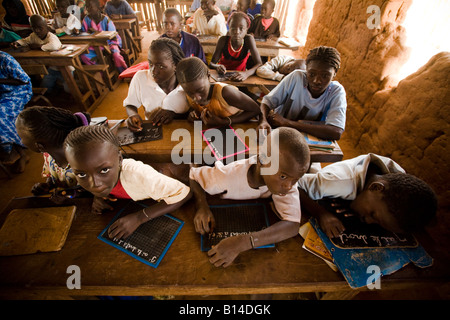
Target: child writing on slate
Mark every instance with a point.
(41, 38)
(380, 190)
(216, 104)
(233, 50)
(246, 179)
(64, 21)
(93, 153)
(264, 26)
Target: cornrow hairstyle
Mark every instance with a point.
(327, 55)
(82, 136)
(242, 15)
(410, 200)
(169, 46)
(174, 12)
(50, 125)
(191, 69)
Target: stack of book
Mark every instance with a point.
(316, 144)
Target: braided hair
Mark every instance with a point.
(191, 69)
(50, 125)
(242, 15)
(82, 136)
(169, 46)
(325, 54)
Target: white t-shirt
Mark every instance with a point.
(216, 26)
(345, 179)
(231, 182)
(50, 42)
(141, 181)
(292, 99)
(144, 91)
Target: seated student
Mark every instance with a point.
(64, 21)
(16, 18)
(232, 51)
(256, 177)
(209, 20)
(157, 89)
(93, 153)
(241, 6)
(15, 92)
(380, 190)
(214, 103)
(225, 5)
(119, 9)
(7, 37)
(41, 38)
(279, 67)
(43, 129)
(172, 21)
(254, 8)
(309, 101)
(96, 21)
(264, 26)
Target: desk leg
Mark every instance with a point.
(70, 80)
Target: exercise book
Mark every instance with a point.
(150, 241)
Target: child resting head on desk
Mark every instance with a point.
(64, 21)
(283, 159)
(41, 38)
(216, 104)
(93, 153)
(233, 50)
(157, 88)
(279, 67)
(43, 129)
(380, 190)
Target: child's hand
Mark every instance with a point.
(204, 221)
(75, 31)
(265, 127)
(239, 76)
(276, 119)
(40, 188)
(226, 251)
(162, 116)
(193, 116)
(221, 69)
(100, 204)
(331, 225)
(34, 46)
(134, 123)
(125, 226)
(211, 119)
(15, 45)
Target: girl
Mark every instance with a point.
(96, 21)
(93, 154)
(15, 92)
(265, 26)
(232, 51)
(43, 129)
(216, 104)
(157, 89)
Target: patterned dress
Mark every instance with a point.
(105, 25)
(12, 100)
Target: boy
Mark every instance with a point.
(309, 101)
(41, 38)
(250, 179)
(64, 21)
(279, 67)
(380, 190)
(264, 26)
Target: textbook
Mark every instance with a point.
(315, 143)
(289, 42)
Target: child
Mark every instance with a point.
(245, 179)
(216, 104)
(279, 67)
(119, 9)
(241, 6)
(96, 21)
(254, 8)
(209, 20)
(43, 129)
(7, 37)
(41, 38)
(157, 89)
(265, 26)
(16, 18)
(64, 21)
(380, 190)
(309, 101)
(232, 51)
(93, 153)
(172, 21)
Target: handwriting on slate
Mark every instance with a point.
(378, 240)
(140, 253)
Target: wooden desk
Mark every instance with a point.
(267, 48)
(161, 150)
(265, 85)
(184, 270)
(84, 97)
(99, 41)
(131, 36)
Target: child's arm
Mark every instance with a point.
(242, 75)
(242, 101)
(329, 223)
(263, 123)
(224, 253)
(134, 121)
(204, 221)
(221, 44)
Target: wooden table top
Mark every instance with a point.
(207, 40)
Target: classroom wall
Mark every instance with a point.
(408, 121)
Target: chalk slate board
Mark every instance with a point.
(151, 240)
(149, 133)
(224, 142)
(362, 235)
(236, 219)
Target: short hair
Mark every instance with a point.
(272, 2)
(327, 55)
(82, 136)
(410, 200)
(37, 19)
(191, 69)
(50, 125)
(175, 12)
(169, 46)
(242, 15)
